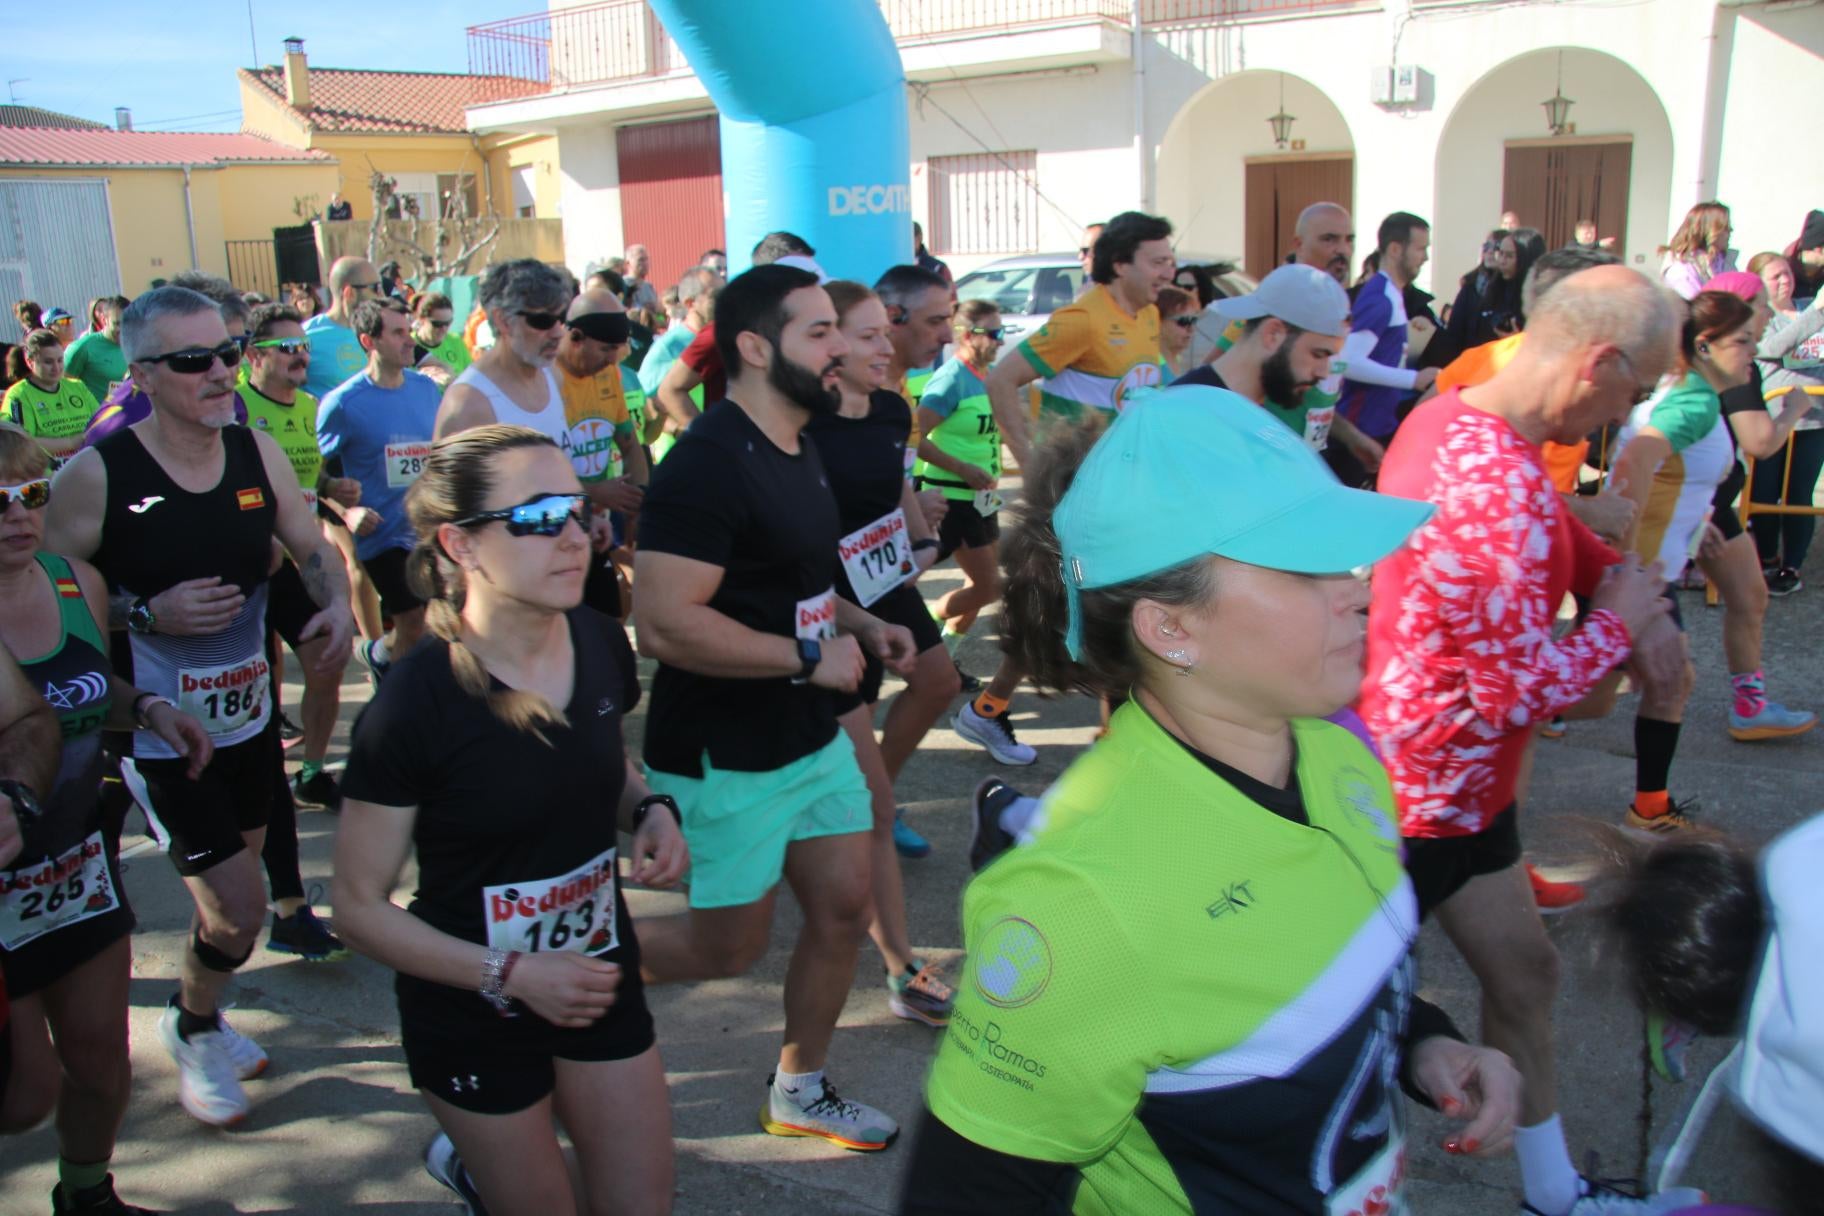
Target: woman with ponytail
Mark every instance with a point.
(491, 751)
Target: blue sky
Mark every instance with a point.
(91, 57)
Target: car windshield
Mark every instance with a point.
(1023, 290)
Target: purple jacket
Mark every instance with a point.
(125, 406)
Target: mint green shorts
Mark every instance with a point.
(738, 825)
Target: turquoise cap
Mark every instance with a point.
(1190, 471)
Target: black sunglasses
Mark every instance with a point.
(195, 360)
(544, 515)
(541, 320)
(1187, 321)
(1082, 251)
(996, 333)
(33, 494)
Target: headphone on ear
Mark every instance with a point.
(1703, 348)
(897, 314)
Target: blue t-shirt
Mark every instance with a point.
(382, 437)
(948, 386)
(335, 355)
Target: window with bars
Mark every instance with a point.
(985, 202)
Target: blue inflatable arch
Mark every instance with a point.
(813, 116)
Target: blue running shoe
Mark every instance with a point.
(909, 843)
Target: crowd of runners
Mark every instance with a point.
(1334, 565)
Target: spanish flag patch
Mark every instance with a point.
(67, 588)
(250, 500)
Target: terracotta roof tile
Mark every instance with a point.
(33, 116)
(356, 101)
(47, 146)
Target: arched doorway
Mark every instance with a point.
(1497, 153)
(1228, 189)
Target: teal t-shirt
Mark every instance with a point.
(335, 355)
(97, 361)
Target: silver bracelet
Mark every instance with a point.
(143, 705)
(494, 978)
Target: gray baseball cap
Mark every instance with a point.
(1298, 295)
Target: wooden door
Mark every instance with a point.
(1277, 190)
(1552, 186)
(671, 193)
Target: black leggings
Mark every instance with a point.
(1784, 540)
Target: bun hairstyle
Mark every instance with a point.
(1713, 315)
(456, 483)
(1033, 597)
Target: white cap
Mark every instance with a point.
(800, 262)
(1298, 295)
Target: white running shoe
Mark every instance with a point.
(995, 734)
(829, 1116)
(206, 1082)
(442, 1163)
(250, 1059)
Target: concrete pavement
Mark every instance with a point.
(336, 1126)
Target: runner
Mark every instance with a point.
(736, 570)
(433, 315)
(1671, 456)
(64, 918)
(376, 429)
(959, 452)
(1463, 662)
(186, 570)
(512, 382)
(128, 404)
(31, 749)
(601, 400)
(1374, 358)
(885, 546)
(1100, 1058)
(1091, 354)
(47, 405)
(95, 358)
(520, 999)
(337, 352)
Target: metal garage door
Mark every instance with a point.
(56, 246)
(671, 193)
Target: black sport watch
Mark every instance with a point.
(27, 811)
(810, 653)
(139, 616)
(651, 800)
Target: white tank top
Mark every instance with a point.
(548, 421)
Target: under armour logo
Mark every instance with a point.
(473, 1086)
(1236, 897)
(146, 504)
(604, 707)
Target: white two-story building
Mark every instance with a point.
(1030, 118)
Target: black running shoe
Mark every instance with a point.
(986, 839)
(289, 730)
(321, 790)
(99, 1198)
(304, 935)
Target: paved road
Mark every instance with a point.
(337, 1128)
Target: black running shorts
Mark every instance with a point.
(387, 572)
(200, 822)
(963, 527)
(901, 606)
(1440, 866)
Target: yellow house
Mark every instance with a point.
(97, 211)
(408, 126)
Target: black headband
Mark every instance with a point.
(609, 327)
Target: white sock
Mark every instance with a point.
(1016, 817)
(801, 1087)
(1550, 1181)
(380, 653)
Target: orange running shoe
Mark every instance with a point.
(1553, 897)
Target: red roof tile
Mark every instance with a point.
(46, 146)
(356, 101)
(33, 116)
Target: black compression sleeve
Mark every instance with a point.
(1424, 1021)
(953, 1176)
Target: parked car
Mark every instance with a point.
(1029, 288)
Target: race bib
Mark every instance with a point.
(987, 502)
(1375, 1189)
(574, 912)
(878, 558)
(404, 461)
(49, 895)
(310, 499)
(225, 699)
(815, 619)
(1317, 426)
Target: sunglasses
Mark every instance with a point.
(195, 360)
(544, 515)
(541, 320)
(373, 286)
(1082, 251)
(1187, 321)
(286, 346)
(437, 324)
(32, 494)
(996, 333)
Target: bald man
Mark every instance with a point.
(601, 402)
(640, 291)
(1325, 238)
(1482, 582)
(335, 352)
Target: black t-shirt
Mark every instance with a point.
(515, 838)
(865, 460)
(726, 495)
